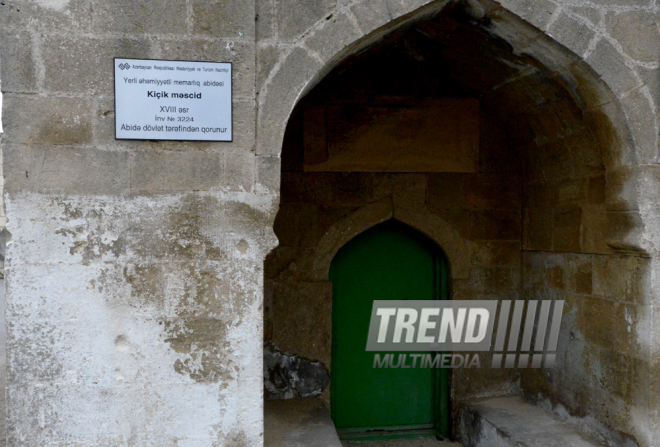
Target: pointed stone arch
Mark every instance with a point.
(456, 248)
(599, 77)
(611, 93)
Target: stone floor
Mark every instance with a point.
(307, 423)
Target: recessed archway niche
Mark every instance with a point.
(494, 141)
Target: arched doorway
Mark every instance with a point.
(390, 261)
(539, 214)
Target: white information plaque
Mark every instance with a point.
(172, 100)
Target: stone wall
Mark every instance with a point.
(135, 270)
(134, 301)
(478, 213)
(580, 234)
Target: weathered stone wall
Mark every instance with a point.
(134, 305)
(585, 123)
(581, 228)
(135, 268)
(477, 214)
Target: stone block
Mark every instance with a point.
(468, 383)
(573, 34)
(651, 79)
(185, 227)
(444, 191)
(617, 374)
(279, 96)
(580, 274)
(533, 263)
(73, 230)
(648, 179)
(71, 15)
(464, 50)
(573, 191)
(589, 14)
(622, 187)
(492, 225)
(552, 54)
(268, 173)
(370, 14)
(637, 33)
(491, 192)
(223, 18)
(566, 230)
(507, 25)
(595, 229)
(244, 129)
(400, 8)
(540, 195)
(104, 127)
(610, 128)
(302, 319)
(538, 13)
(555, 162)
(140, 17)
(596, 190)
(611, 66)
(409, 190)
(347, 189)
(156, 171)
(265, 18)
(554, 275)
(537, 229)
(371, 139)
(623, 279)
(495, 154)
(498, 279)
(63, 169)
(595, 320)
(238, 171)
(239, 52)
(294, 17)
(511, 99)
(85, 65)
(47, 120)
(498, 253)
(18, 68)
(643, 122)
(628, 330)
(627, 233)
(267, 57)
(546, 124)
(336, 34)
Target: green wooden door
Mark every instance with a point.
(390, 261)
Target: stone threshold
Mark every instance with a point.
(512, 422)
(298, 422)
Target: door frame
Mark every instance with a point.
(442, 424)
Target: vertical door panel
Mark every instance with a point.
(388, 262)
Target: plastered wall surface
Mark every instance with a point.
(135, 269)
(135, 305)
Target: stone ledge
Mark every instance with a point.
(298, 422)
(512, 422)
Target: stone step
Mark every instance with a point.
(512, 422)
(298, 423)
